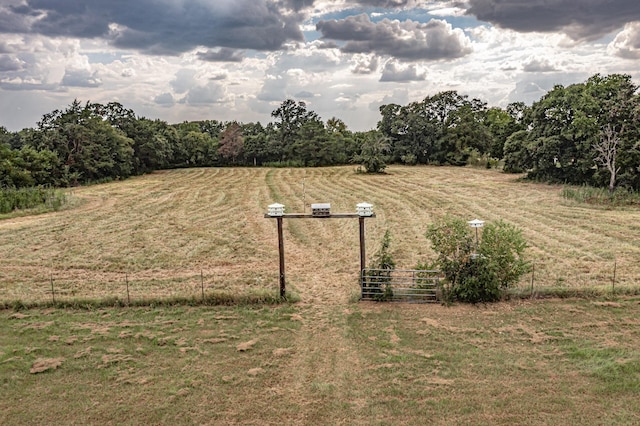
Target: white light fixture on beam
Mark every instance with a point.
(364, 209)
(276, 210)
(476, 223)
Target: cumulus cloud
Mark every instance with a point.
(305, 94)
(627, 42)
(399, 96)
(406, 40)
(80, 78)
(211, 93)
(398, 73)
(365, 64)
(538, 65)
(165, 99)
(221, 55)
(10, 63)
(158, 26)
(584, 20)
(274, 89)
(387, 3)
(185, 78)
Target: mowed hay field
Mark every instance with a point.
(326, 359)
(175, 232)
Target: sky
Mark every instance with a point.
(187, 60)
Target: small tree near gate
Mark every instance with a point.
(478, 273)
(381, 267)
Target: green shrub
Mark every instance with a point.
(28, 198)
(477, 273)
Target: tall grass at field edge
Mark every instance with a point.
(602, 196)
(12, 199)
(572, 292)
(213, 299)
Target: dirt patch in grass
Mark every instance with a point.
(245, 346)
(41, 365)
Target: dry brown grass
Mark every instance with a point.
(324, 360)
(164, 229)
(522, 362)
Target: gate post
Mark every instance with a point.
(363, 258)
(281, 252)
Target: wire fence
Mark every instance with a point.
(544, 276)
(65, 286)
(131, 288)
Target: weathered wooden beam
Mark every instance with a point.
(310, 216)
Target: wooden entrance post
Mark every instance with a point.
(363, 256)
(276, 211)
(281, 252)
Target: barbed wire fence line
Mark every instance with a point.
(130, 287)
(545, 275)
(68, 286)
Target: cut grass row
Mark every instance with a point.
(169, 226)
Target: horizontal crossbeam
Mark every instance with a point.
(311, 216)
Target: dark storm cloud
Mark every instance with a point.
(581, 20)
(407, 40)
(221, 55)
(158, 26)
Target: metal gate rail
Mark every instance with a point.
(407, 285)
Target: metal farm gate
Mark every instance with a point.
(406, 285)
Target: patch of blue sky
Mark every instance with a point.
(416, 15)
(424, 16)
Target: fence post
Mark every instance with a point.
(533, 274)
(613, 280)
(53, 292)
(126, 279)
(202, 283)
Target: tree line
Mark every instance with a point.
(586, 133)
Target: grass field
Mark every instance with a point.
(326, 359)
(174, 232)
(528, 362)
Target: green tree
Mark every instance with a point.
(502, 124)
(570, 128)
(290, 117)
(154, 144)
(255, 149)
(441, 129)
(89, 148)
(373, 153)
(381, 267)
